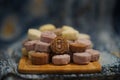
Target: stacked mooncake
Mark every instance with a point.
(59, 46)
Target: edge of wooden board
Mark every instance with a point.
(25, 66)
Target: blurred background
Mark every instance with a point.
(101, 17)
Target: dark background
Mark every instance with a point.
(16, 16)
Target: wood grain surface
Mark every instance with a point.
(25, 66)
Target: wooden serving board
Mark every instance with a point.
(25, 66)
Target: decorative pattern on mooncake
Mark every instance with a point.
(59, 45)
